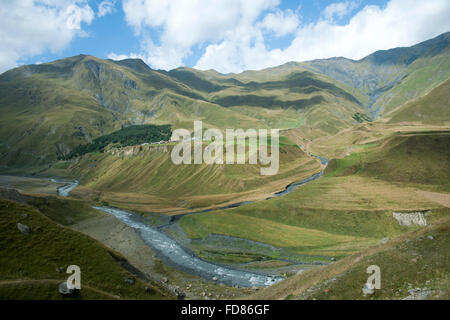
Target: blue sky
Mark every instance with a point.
(226, 35)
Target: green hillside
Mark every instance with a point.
(413, 267)
(143, 176)
(390, 78)
(410, 158)
(369, 184)
(29, 262)
(49, 109)
(430, 109)
(70, 102)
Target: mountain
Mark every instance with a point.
(49, 109)
(389, 78)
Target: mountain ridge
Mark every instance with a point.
(71, 101)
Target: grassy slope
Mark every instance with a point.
(148, 177)
(417, 159)
(409, 261)
(59, 105)
(387, 79)
(431, 109)
(35, 256)
(369, 185)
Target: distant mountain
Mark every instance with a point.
(49, 109)
(389, 78)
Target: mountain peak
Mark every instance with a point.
(136, 64)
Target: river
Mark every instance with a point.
(176, 254)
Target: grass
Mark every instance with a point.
(411, 260)
(311, 221)
(64, 211)
(145, 180)
(26, 258)
(430, 109)
(413, 159)
(299, 240)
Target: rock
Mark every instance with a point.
(129, 281)
(165, 280)
(384, 240)
(430, 237)
(23, 228)
(215, 279)
(368, 289)
(410, 219)
(64, 290)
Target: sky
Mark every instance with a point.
(225, 35)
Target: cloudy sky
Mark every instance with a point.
(225, 35)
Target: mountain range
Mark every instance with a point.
(49, 109)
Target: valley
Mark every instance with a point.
(359, 140)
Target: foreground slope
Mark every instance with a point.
(413, 266)
(30, 261)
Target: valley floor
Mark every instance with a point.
(342, 216)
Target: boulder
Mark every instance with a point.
(23, 228)
(64, 290)
(129, 280)
(368, 289)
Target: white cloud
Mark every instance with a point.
(118, 57)
(106, 7)
(339, 9)
(185, 24)
(280, 23)
(399, 23)
(29, 28)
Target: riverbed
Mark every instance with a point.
(175, 254)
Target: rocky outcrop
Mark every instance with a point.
(23, 228)
(62, 150)
(410, 218)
